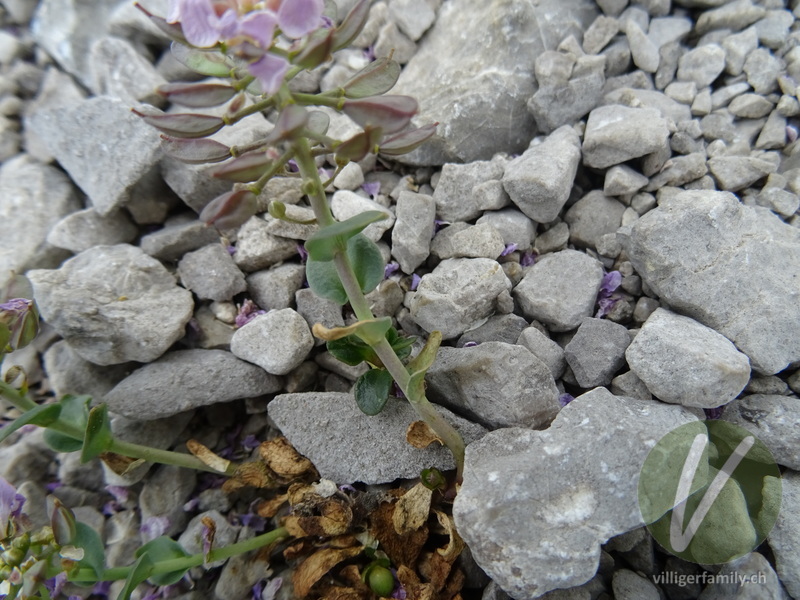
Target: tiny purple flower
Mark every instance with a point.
(714, 413)
(269, 70)
(101, 588)
(606, 299)
(53, 486)
(250, 442)
(611, 282)
(292, 164)
(438, 224)
(565, 399)
(509, 249)
(300, 17)
(415, 279)
(56, 584)
(373, 188)
(253, 521)
(528, 258)
(207, 539)
(470, 344)
(154, 527)
(301, 250)
(791, 133)
(271, 589)
(396, 391)
(191, 505)
(120, 493)
(248, 311)
(10, 505)
(390, 269)
(369, 53)
(231, 249)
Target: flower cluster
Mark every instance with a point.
(251, 26)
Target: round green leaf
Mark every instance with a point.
(350, 350)
(367, 261)
(163, 549)
(372, 391)
(93, 549)
(324, 280)
(326, 242)
(74, 410)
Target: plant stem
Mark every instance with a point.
(446, 432)
(179, 564)
(23, 403)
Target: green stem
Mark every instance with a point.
(23, 403)
(317, 100)
(446, 432)
(180, 564)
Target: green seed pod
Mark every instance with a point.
(381, 581)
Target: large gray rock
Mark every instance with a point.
(592, 217)
(66, 29)
(597, 352)
(539, 181)
(731, 267)
(118, 70)
(560, 289)
(211, 274)
(774, 419)
(750, 576)
(113, 304)
(83, 229)
(785, 536)
(187, 379)
(68, 373)
(277, 341)
(33, 198)
(462, 240)
(413, 229)
(535, 506)
(457, 295)
(497, 384)
(346, 445)
(106, 149)
(479, 93)
(465, 191)
(615, 134)
(684, 362)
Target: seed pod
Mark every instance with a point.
(245, 168)
(19, 323)
(375, 79)
(317, 50)
(390, 113)
(197, 95)
(230, 210)
(358, 146)
(195, 151)
(174, 31)
(62, 521)
(407, 141)
(181, 125)
(351, 26)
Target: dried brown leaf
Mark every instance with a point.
(420, 435)
(211, 524)
(269, 508)
(121, 465)
(435, 568)
(252, 474)
(284, 460)
(412, 509)
(207, 457)
(401, 549)
(455, 546)
(297, 549)
(317, 565)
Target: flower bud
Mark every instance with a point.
(390, 113)
(197, 95)
(181, 125)
(62, 521)
(230, 210)
(19, 323)
(407, 141)
(351, 26)
(245, 168)
(196, 151)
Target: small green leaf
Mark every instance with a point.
(326, 242)
(324, 280)
(318, 122)
(140, 571)
(162, 549)
(212, 63)
(400, 344)
(351, 350)
(75, 411)
(42, 415)
(372, 391)
(93, 549)
(98, 435)
(375, 79)
(367, 261)
(421, 363)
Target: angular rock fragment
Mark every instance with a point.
(684, 362)
(573, 486)
(615, 134)
(187, 379)
(346, 445)
(113, 304)
(278, 341)
(497, 384)
(731, 267)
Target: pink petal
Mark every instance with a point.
(174, 14)
(299, 17)
(228, 25)
(259, 27)
(199, 22)
(269, 70)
